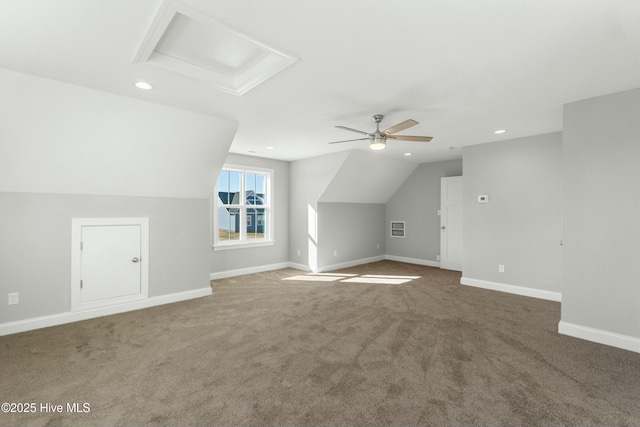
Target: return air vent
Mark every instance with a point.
(189, 42)
(397, 228)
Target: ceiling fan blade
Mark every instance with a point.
(411, 138)
(353, 130)
(348, 140)
(400, 126)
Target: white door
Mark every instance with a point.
(451, 223)
(109, 261)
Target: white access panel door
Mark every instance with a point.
(451, 223)
(110, 263)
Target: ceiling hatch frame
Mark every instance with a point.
(242, 62)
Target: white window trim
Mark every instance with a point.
(269, 240)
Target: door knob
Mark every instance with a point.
(135, 259)
(442, 227)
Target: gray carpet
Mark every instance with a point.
(263, 351)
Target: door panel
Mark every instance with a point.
(110, 262)
(451, 223)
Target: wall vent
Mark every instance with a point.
(397, 229)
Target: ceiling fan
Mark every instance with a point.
(378, 140)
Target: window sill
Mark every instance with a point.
(242, 245)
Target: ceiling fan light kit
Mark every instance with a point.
(377, 143)
(378, 140)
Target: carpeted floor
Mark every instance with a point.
(265, 351)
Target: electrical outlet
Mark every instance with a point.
(14, 298)
(437, 257)
(377, 245)
(335, 252)
(298, 252)
(500, 268)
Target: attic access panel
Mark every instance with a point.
(189, 42)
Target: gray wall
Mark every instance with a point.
(71, 152)
(35, 247)
(354, 230)
(417, 203)
(520, 227)
(239, 258)
(601, 161)
(308, 180)
(340, 180)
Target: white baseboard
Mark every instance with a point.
(599, 336)
(303, 267)
(413, 260)
(248, 270)
(350, 263)
(75, 316)
(299, 266)
(512, 289)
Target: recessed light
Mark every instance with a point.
(270, 148)
(450, 148)
(408, 154)
(499, 131)
(144, 86)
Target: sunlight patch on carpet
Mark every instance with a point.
(381, 280)
(313, 278)
(354, 278)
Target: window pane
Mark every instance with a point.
(223, 187)
(229, 187)
(256, 188)
(228, 224)
(250, 183)
(256, 223)
(234, 188)
(261, 189)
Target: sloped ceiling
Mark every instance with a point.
(366, 177)
(61, 138)
(461, 68)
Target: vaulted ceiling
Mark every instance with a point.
(461, 68)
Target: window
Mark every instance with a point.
(243, 196)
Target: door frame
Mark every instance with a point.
(76, 260)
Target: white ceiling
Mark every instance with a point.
(461, 68)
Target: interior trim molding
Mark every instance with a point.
(76, 316)
(417, 261)
(512, 289)
(269, 267)
(348, 264)
(262, 63)
(248, 270)
(599, 336)
(298, 266)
